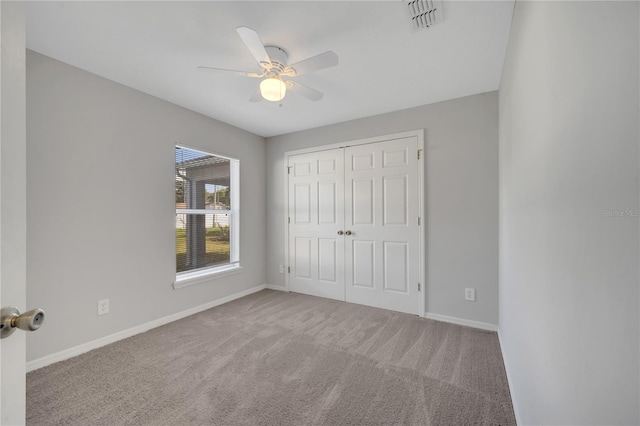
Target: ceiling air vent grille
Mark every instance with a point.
(425, 13)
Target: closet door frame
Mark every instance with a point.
(419, 134)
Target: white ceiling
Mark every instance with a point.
(385, 65)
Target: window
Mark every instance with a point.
(207, 214)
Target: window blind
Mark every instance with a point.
(204, 213)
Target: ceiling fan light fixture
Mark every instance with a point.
(273, 89)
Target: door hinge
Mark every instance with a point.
(418, 286)
(289, 269)
(419, 151)
(289, 219)
(288, 170)
(418, 220)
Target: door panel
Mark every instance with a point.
(303, 168)
(363, 202)
(363, 263)
(316, 214)
(395, 264)
(302, 257)
(363, 161)
(327, 203)
(327, 259)
(395, 158)
(394, 200)
(382, 254)
(327, 166)
(302, 204)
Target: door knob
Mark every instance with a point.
(340, 232)
(348, 232)
(10, 319)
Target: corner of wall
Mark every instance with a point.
(505, 361)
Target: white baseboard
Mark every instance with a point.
(461, 321)
(103, 341)
(276, 287)
(516, 411)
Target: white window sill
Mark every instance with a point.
(198, 277)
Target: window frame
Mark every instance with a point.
(197, 276)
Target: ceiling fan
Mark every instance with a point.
(274, 71)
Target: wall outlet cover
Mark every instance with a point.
(103, 306)
(470, 294)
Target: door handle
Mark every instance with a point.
(10, 319)
(340, 232)
(348, 232)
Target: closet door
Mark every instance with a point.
(316, 215)
(381, 225)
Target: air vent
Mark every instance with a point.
(425, 13)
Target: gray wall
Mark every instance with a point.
(100, 204)
(568, 157)
(461, 173)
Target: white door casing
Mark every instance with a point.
(374, 195)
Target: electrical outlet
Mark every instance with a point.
(282, 269)
(470, 294)
(103, 306)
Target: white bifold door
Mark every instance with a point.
(353, 224)
(316, 218)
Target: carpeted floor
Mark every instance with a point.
(275, 358)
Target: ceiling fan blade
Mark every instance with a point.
(307, 92)
(254, 44)
(315, 63)
(256, 97)
(246, 73)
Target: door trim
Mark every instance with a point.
(419, 133)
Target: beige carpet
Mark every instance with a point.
(276, 358)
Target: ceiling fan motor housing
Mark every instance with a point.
(278, 58)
